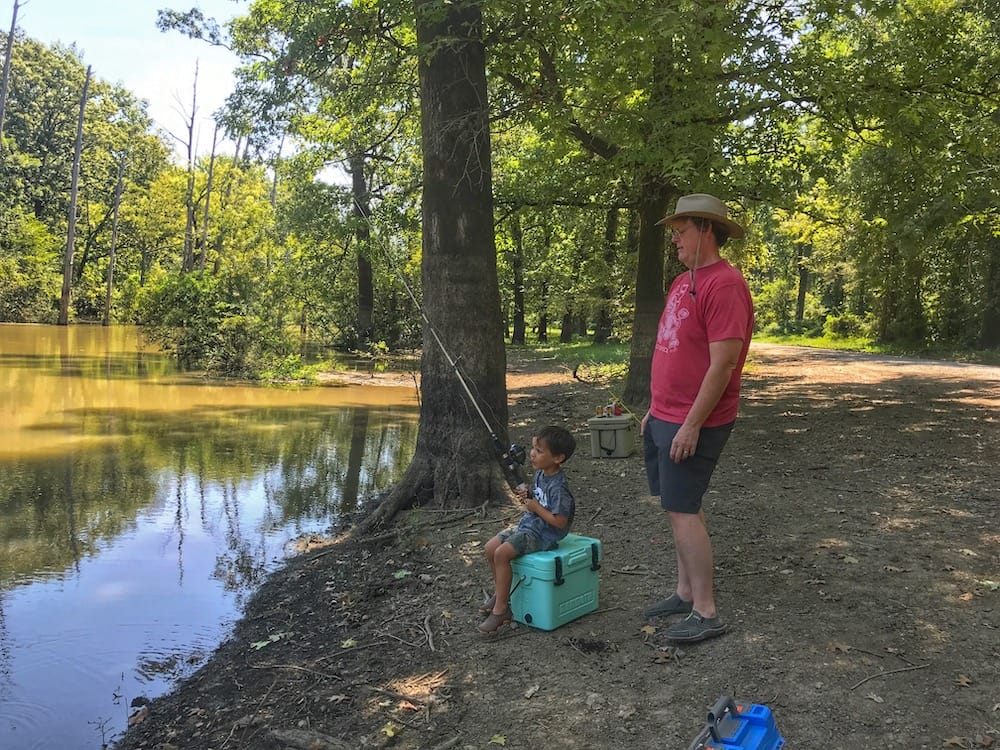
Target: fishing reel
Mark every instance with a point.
(517, 453)
(511, 460)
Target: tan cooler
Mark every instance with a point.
(612, 437)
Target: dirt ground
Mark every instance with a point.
(857, 548)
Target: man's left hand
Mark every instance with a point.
(685, 443)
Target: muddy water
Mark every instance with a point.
(140, 507)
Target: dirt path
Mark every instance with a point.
(857, 539)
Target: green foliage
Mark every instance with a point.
(30, 278)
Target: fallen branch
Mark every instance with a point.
(886, 674)
(430, 633)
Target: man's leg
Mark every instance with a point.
(694, 561)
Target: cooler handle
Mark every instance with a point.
(595, 557)
(559, 576)
(710, 732)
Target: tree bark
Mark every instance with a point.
(454, 463)
(655, 195)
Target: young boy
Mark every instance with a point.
(548, 517)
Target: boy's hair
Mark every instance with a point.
(559, 441)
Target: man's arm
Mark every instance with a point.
(723, 358)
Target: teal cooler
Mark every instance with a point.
(557, 586)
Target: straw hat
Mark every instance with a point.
(705, 207)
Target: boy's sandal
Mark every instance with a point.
(487, 606)
(492, 624)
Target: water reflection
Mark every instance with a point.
(140, 507)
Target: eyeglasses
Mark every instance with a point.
(675, 235)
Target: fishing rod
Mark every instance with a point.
(511, 459)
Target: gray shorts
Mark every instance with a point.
(681, 487)
(523, 542)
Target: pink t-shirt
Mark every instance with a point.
(720, 309)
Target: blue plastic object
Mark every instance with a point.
(738, 726)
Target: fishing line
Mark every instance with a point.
(510, 459)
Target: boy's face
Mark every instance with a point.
(543, 459)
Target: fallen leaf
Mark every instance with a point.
(349, 643)
(876, 698)
(531, 691)
(964, 681)
(850, 560)
(841, 647)
(955, 742)
(498, 739)
(446, 614)
(991, 585)
(400, 574)
(968, 552)
(339, 698)
(390, 729)
(647, 629)
(968, 596)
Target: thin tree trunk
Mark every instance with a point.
(366, 284)
(203, 250)
(5, 82)
(119, 186)
(602, 323)
(67, 287)
(453, 464)
(187, 262)
(800, 300)
(517, 266)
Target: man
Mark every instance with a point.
(701, 346)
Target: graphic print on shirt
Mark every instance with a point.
(673, 316)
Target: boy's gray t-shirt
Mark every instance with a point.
(553, 494)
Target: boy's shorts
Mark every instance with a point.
(523, 542)
(681, 486)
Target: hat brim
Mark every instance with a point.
(736, 232)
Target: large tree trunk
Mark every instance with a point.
(655, 195)
(454, 464)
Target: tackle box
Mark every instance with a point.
(738, 726)
(556, 586)
(612, 436)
